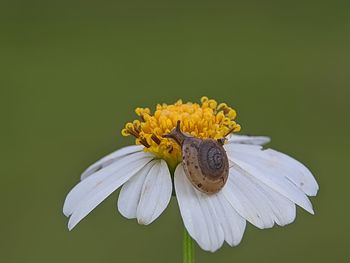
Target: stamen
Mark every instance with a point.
(144, 143)
(155, 139)
(230, 131)
(133, 133)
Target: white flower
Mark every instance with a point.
(264, 186)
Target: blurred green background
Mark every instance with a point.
(72, 73)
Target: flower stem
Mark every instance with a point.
(188, 248)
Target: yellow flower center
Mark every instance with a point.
(206, 120)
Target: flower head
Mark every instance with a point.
(263, 186)
(206, 120)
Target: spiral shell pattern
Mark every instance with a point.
(206, 164)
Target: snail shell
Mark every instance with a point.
(205, 161)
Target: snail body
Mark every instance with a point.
(205, 161)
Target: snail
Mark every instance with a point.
(205, 161)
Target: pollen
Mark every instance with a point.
(208, 119)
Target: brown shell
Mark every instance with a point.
(205, 163)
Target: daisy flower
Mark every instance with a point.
(261, 186)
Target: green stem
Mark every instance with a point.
(188, 248)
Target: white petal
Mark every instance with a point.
(109, 159)
(296, 171)
(129, 196)
(257, 163)
(121, 170)
(81, 190)
(231, 222)
(244, 139)
(256, 202)
(198, 213)
(248, 200)
(273, 160)
(103, 189)
(155, 194)
(284, 210)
